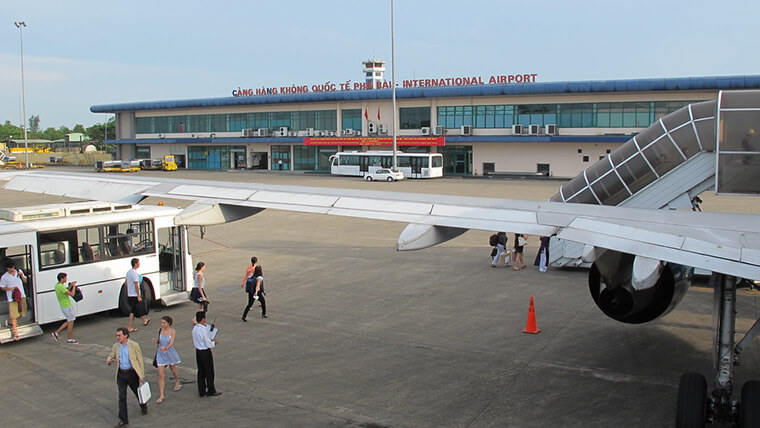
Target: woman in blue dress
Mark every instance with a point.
(166, 355)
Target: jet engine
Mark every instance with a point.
(635, 289)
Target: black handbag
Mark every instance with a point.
(141, 309)
(77, 295)
(155, 361)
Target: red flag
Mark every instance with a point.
(378, 113)
(366, 114)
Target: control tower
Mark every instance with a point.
(374, 69)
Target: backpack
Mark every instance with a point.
(492, 240)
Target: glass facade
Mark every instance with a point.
(457, 160)
(215, 157)
(574, 115)
(280, 159)
(414, 117)
(313, 158)
(351, 119)
(234, 122)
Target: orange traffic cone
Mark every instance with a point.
(530, 326)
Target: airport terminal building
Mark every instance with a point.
(509, 124)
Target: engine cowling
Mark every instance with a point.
(611, 286)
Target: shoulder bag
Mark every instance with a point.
(155, 362)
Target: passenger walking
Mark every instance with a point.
(542, 257)
(12, 282)
(131, 371)
(198, 293)
(64, 294)
(249, 271)
(204, 359)
(501, 253)
(249, 284)
(520, 242)
(134, 296)
(166, 355)
(255, 290)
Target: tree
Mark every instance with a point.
(9, 130)
(51, 134)
(96, 132)
(79, 128)
(34, 124)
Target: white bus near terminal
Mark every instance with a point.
(93, 242)
(413, 165)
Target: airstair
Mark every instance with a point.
(669, 164)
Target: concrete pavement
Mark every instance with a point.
(360, 335)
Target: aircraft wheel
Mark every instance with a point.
(368, 178)
(750, 406)
(691, 410)
(390, 179)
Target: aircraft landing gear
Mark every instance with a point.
(695, 408)
(692, 401)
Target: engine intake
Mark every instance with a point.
(611, 288)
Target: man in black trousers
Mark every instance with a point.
(203, 356)
(128, 356)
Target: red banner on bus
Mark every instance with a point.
(373, 141)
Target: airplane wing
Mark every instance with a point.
(724, 243)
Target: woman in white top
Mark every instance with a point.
(198, 293)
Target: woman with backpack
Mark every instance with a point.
(255, 289)
(499, 241)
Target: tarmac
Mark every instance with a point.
(360, 335)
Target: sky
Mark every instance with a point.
(81, 53)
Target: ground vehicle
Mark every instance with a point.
(93, 242)
(383, 174)
(166, 163)
(131, 165)
(108, 166)
(413, 165)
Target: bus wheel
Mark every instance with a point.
(145, 290)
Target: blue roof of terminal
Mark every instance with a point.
(591, 86)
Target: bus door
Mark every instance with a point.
(21, 256)
(364, 165)
(415, 164)
(171, 261)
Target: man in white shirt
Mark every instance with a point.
(11, 280)
(134, 295)
(203, 357)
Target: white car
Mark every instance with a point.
(383, 174)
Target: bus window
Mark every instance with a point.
(88, 240)
(437, 161)
(126, 239)
(54, 253)
(55, 248)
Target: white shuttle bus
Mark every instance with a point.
(413, 165)
(94, 243)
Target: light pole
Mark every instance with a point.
(20, 24)
(393, 87)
